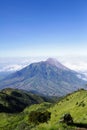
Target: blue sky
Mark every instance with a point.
(43, 27)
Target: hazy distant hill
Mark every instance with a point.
(4, 74)
(46, 77)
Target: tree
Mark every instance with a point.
(39, 117)
(66, 118)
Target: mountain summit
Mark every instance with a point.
(46, 77)
(54, 62)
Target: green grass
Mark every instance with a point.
(72, 104)
(75, 104)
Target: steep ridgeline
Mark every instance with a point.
(46, 77)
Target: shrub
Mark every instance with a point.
(82, 104)
(76, 103)
(66, 118)
(39, 117)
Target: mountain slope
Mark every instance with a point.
(47, 77)
(14, 100)
(75, 104)
(4, 74)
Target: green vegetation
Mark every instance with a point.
(39, 117)
(14, 100)
(75, 104)
(67, 118)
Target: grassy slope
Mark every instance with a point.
(21, 120)
(75, 104)
(72, 104)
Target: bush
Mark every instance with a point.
(39, 117)
(82, 104)
(66, 118)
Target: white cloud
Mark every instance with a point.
(14, 64)
(80, 66)
(75, 63)
(14, 67)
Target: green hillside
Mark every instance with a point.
(75, 104)
(14, 100)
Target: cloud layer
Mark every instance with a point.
(75, 63)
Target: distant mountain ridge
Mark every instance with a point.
(48, 77)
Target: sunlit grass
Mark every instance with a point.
(75, 104)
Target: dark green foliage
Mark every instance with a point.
(14, 100)
(67, 99)
(39, 117)
(66, 118)
(76, 103)
(82, 104)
